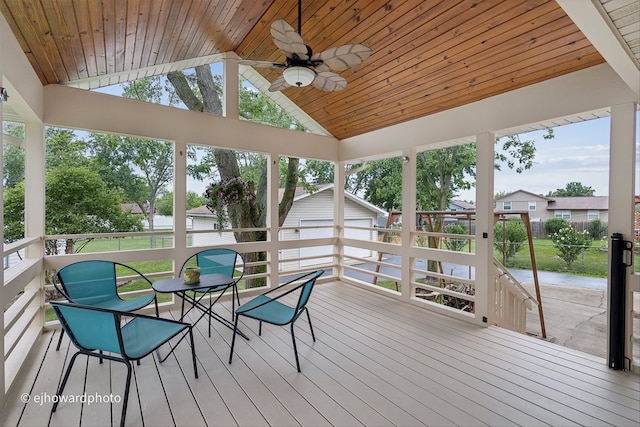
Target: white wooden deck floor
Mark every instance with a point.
(376, 362)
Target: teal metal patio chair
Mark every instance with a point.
(94, 283)
(94, 331)
(217, 261)
(268, 308)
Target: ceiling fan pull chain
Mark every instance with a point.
(300, 17)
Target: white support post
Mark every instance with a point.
(408, 218)
(622, 177)
(34, 203)
(339, 176)
(231, 98)
(179, 203)
(485, 152)
(3, 296)
(272, 220)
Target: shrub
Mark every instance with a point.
(570, 243)
(597, 229)
(452, 243)
(553, 225)
(509, 237)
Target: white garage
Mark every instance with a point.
(314, 233)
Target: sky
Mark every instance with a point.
(578, 153)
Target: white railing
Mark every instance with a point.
(22, 296)
(511, 300)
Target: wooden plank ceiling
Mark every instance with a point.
(428, 56)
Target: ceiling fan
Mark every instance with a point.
(303, 67)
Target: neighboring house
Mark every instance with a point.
(461, 205)
(308, 210)
(541, 208)
(524, 201)
(580, 209)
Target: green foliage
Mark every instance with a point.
(12, 165)
(165, 202)
(509, 237)
(78, 202)
(519, 154)
(573, 189)
(553, 225)
(440, 174)
(381, 181)
(14, 213)
(569, 243)
(452, 243)
(63, 148)
(597, 229)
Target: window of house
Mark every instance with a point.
(532, 206)
(563, 214)
(593, 214)
(506, 206)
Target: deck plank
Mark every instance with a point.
(23, 389)
(376, 361)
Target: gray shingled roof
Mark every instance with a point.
(577, 203)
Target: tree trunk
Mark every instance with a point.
(247, 214)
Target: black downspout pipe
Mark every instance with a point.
(617, 299)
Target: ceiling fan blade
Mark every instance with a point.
(279, 84)
(258, 64)
(288, 40)
(329, 82)
(342, 57)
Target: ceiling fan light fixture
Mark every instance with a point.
(299, 76)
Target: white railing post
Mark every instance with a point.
(339, 177)
(622, 178)
(408, 219)
(485, 282)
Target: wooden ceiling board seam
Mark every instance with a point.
(109, 29)
(442, 75)
(353, 128)
(436, 99)
(64, 37)
(120, 26)
(173, 12)
(133, 24)
(10, 17)
(377, 77)
(367, 73)
(96, 23)
(153, 21)
(404, 98)
(243, 21)
(145, 22)
(85, 32)
(177, 32)
(364, 71)
(248, 46)
(191, 25)
(45, 37)
(369, 80)
(158, 36)
(79, 37)
(200, 40)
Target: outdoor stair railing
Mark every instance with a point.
(512, 300)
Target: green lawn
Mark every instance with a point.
(592, 262)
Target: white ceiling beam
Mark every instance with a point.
(598, 28)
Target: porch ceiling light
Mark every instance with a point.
(298, 76)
